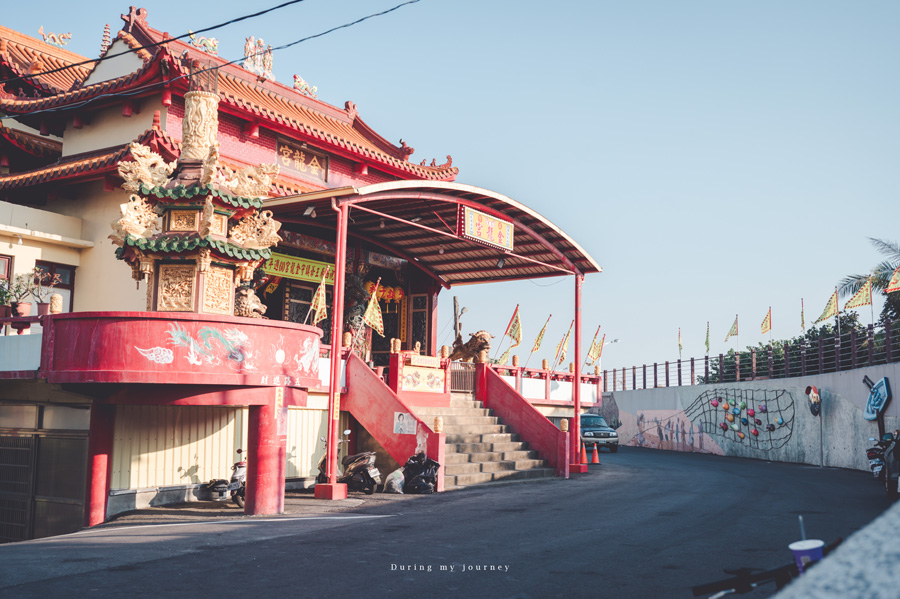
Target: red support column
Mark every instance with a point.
(100, 448)
(265, 461)
(576, 384)
(332, 489)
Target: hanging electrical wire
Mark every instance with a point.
(167, 82)
(204, 30)
(153, 45)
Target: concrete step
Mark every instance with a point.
(476, 478)
(469, 421)
(472, 467)
(486, 447)
(512, 465)
(422, 412)
(496, 456)
(482, 438)
(476, 429)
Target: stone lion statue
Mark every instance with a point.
(247, 304)
(476, 349)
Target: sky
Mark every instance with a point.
(715, 158)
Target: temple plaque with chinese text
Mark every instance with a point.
(300, 160)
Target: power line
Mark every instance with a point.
(153, 45)
(311, 37)
(174, 79)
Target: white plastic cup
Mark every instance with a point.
(806, 552)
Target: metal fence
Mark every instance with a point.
(870, 347)
(462, 377)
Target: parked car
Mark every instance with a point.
(595, 431)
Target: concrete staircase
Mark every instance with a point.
(480, 448)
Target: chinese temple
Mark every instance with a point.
(189, 210)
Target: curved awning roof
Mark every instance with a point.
(417, 220)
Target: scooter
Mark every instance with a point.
(875, 455)
(222, 490)
(881, 462)
(238, 484)
(360, 473)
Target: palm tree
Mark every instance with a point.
(881, 274)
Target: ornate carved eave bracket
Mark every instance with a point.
(147, 168)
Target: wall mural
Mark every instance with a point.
(671, 430)
(763, 418)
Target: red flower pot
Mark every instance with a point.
(20, 308)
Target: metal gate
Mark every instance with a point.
(16, 476)
(462, 377)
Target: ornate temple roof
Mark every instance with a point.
(22, 55)
(242, 93)
(29, 143)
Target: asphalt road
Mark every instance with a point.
(642, 524)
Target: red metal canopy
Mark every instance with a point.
(417, 220)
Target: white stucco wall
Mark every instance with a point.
(107, 128)
(101, 282)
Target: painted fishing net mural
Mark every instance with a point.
(762, 418)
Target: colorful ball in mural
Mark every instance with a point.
(770, 427)
(743, 405)
(762, 408)
(779, 421)
(751, 412)
(744, 421)
(741, 435)
(725, 406)
(736, 411)
(735, 427)
(724, 426)
(714, 403)
(754, 432)
(757, 421)
(729, 417)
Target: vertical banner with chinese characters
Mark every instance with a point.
(297, 159)
(481, 227)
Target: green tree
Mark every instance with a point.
(881, 276)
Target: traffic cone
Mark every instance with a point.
(595, 459)
(583, 455)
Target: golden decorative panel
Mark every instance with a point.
(219, 225)
(176, 288)
(184, 220)
(218, 293)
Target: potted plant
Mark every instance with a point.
(19, 289)
(42, 287)
(4, 298)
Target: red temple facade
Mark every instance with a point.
(118, 399)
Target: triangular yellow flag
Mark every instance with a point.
(318, 306)
(540, 337)
(863, 297)
(733, 331)
(514, 330)
(766, 325)
(502, 359)
(831, 308)
(372, 317)
(894, 284)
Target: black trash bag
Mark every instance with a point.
(420, 475)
